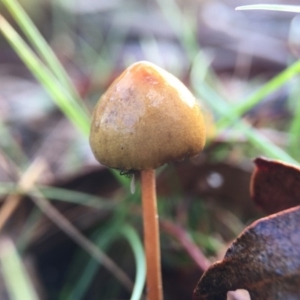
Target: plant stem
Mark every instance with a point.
(151, 236)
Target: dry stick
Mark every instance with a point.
(187, 243)
(25, 183)
(66, 226)
(26, 186)
(9, 206)
(151, 236)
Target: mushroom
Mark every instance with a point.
(145, 119)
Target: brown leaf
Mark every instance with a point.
(275, 186)
(264, 259)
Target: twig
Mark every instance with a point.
(66, 226)
(187, 243)
(26, 182)
(26, 185)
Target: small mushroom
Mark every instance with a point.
(145, 119)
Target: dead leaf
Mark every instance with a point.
(275, 186)
(264, 259)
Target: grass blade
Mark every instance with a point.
(28, 230)
(268, 88)
(42, 48)
(62, 194)
(139, 256)
(223, 108)
(76, 197)
(294, 127)
(86, 266)
(182, 26)
(67, 227)
(17, 281)
(63, 99)
(273, 7)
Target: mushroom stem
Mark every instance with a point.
(151, 236)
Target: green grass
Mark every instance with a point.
(13, 271)
(59, 93)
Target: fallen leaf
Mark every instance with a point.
(275, 186)
(264, 260)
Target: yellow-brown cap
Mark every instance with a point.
(145, 119)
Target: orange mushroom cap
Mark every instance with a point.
(145, 119)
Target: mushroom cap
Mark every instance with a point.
(145, 119)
